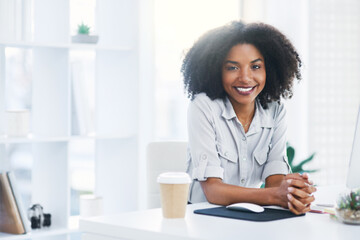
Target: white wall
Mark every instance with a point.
(291, 20)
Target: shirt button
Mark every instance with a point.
(242, 180)
(226, 153)
(244, 138)
(244, 158)
(204, 157)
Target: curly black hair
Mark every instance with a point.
(202, 65)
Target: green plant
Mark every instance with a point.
(83, 29)
(290, 152)
(348, 207)
(350, 201)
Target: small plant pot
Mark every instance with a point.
(348, 216)
(84, 38)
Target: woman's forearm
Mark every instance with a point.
(221, 193)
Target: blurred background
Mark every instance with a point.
(321, 115)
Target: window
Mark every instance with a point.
(178, 24)
(334, 85)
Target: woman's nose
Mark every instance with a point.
(244, 75)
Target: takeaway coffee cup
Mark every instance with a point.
(174, 188)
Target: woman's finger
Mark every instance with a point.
(299, 206)
(310, 189)
(298, 176)
(307, 201)
(292, 209)
(302, 186)
(300, 193)
(297, 183)
(307, 177)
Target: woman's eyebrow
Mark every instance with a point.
(256, 60)
(234, 62)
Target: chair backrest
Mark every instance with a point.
(162, 157)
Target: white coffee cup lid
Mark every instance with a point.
(174, 178)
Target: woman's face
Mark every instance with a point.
(243, 74)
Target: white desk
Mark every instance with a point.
(150, 224)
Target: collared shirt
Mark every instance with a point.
(219, 147)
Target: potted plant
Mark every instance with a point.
(83, 35)
(348, 207)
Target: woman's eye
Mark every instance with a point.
(231, 68)
(256, 67)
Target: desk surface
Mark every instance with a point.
(150, 224)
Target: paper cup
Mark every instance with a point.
(91, 205)
(174, 189)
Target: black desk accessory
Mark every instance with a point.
(268, 215)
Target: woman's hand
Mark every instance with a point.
(300, 193)
(298, 176)
(299, 196)
(281, 194)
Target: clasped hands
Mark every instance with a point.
(298, 190)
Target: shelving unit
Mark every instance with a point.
(71, 46)
(117, 104)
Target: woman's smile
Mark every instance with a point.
(245, 90)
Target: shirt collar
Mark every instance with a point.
(262, 118)
(228, 110)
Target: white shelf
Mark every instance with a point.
(36, 139)
(115, 75)
(72, 46)
(51, 231)
(46, 232)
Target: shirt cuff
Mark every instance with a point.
(275, 167)
(210, 171)
(203, 171)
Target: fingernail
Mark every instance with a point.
(289, 196)
(289, 181)
(289, 205)
(311, 182)
(290, 189)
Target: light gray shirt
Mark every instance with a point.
(219, 147)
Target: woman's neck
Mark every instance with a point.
(244, 112)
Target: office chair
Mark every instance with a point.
(162, 157)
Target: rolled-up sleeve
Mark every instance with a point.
(202, 142)
(277, 162)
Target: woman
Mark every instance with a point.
(235, 76)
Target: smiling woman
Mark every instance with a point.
(235, 76)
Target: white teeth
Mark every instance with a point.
(244, 89)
